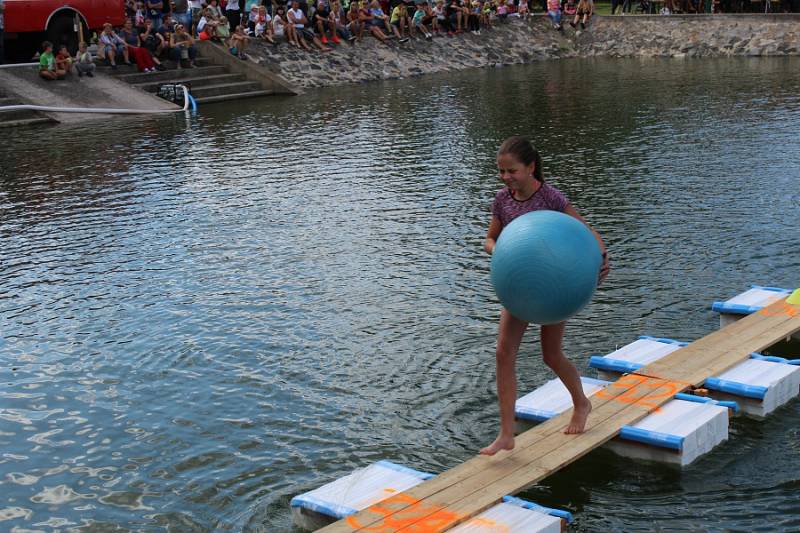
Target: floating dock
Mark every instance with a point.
(456, 496)
(679, 432)
(374, 484)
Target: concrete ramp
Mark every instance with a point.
(25, 85)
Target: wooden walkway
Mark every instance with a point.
(472, 487)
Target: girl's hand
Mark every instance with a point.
(604, 269)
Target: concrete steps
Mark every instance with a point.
(195, 82)
(234, 96)
(168, 75)
(223, 89)
(207, 82)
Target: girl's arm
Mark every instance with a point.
(571, 211)
(495, 227)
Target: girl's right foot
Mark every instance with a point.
(500, 443)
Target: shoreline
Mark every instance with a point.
(519, 42)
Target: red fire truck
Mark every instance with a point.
(29, 22)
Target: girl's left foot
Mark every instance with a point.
(577, 423)
(500, 443)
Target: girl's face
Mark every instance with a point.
(513, 172)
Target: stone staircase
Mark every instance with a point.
(207, 82)
(17, 118)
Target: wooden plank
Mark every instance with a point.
(476, 485)
(699, 361)
(542, 459)
(737, 337)
(433, 511)
(477, 466)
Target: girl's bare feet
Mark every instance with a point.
(500, 443)
(577, 423)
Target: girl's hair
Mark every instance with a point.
(522, 150)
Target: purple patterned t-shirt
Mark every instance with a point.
(506, 208)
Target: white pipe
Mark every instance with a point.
(101, 110)
(14, 65)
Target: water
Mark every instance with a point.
(203, 317)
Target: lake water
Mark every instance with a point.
(205, 316)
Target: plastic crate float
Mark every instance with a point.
(678, 432)
(370, 485)
(759, 385)
(750, 301)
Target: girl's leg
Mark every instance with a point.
(509, 338)
(552, 336)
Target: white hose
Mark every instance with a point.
(101, 110)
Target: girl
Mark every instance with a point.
(554, 12)
(520, 167)
(582, 14)
(238, 42)
(264, 25)
(354, 23)
(522, 10)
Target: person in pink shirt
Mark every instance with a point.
(520, 167)
(554, 12)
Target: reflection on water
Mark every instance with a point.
(205, 316)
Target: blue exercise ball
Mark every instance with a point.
(545, 266)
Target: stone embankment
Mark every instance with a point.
(519, 42)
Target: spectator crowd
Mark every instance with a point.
(158, 30)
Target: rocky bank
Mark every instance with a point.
(519, 42)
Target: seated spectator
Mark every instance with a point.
(554, 12)
(486, 14)
(474, 17)
(154, 43)
(570, 8)
(454, 16)
(339, 21)
(354, 23)
(206, 26)
(181, 47)
(264, 25)
(223, 29)
(374, 25)
(304, 34)
(113, 46)
(441, 23)
(165, 31)
(379, 18)
(63, 60)
(142, 58)
(279, 28)
(47, 64)
(84, 63)
(421, 18)
(322, 21)
(251, 20)
(238, 42)
(196, 10)
(400, 21)
(582, 14)
(522, 9)
(502, 10)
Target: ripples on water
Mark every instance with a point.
(204, 317)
